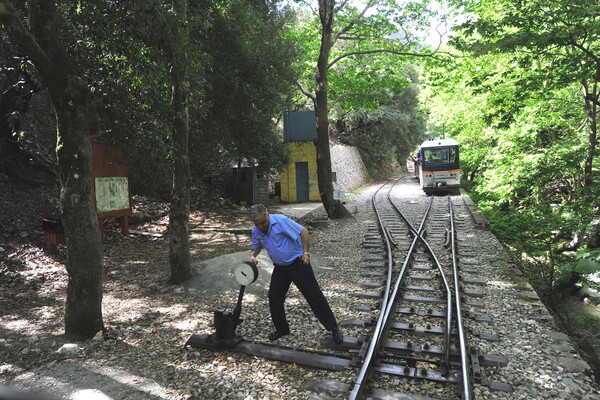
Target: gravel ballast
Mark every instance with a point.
(141, 356)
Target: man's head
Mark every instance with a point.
(260, 217)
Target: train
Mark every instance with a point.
(437, 166)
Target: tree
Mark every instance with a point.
(179, 250)
(122, 50)
(70, 96)
(251, 60)
(560, 36)
(389, 30)
(385, 136)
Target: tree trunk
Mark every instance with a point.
(179, 251)
(591, 110)
(69, 94)
(83, 307)
(334, 208)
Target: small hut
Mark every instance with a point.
(248, 184)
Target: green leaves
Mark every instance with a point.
(251, 76)
(586, 266)
(512, 96)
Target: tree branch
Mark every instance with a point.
(389, 51)
(341, 5)
(11, 20)
(353, 22)
(309, 5)
(306, 92)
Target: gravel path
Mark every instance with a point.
(142, 357)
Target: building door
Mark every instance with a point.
(261, 189)
(301, 181)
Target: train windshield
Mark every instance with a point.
(448, 155)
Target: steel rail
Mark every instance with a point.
(467, 388)
(384, 319)
(448, 327)
(376, 338)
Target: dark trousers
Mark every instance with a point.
(303, 277)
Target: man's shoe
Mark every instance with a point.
(277, 334)
(338, 338)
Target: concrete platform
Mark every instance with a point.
(216, 275)
(299, 211)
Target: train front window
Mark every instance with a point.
(440, 156)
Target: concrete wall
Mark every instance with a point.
(349, 168)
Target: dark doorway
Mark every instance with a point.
(301, 181)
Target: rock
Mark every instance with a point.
(33, 339)
(69, 349)
(574, 364)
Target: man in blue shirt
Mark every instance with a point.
(286, 241)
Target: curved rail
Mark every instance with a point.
(390, 300)
(386, 306)
(418, 235)
(375, 340)
(467, 388)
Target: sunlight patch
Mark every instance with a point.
(501, 284)
(89, 394)
(16, 325)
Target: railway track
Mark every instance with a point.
(417, 297)
(418, 311)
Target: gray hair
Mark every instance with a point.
(256, 211)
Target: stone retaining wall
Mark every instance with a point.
(349, 168)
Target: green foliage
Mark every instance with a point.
(586, 266)
(385, 136)
(521, 136)
(528, 230)
(121, 54)
(368, 63)
(251, 76)
(240, 67)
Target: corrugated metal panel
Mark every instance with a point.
(299, 126)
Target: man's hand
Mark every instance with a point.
(253, 259)
(305, 257)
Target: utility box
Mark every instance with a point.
(299, 126)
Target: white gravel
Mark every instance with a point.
(542, 363)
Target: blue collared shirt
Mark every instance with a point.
(282, 242)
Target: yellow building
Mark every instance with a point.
(299, 179)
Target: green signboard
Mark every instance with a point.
(112, 194)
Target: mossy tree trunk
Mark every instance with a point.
(179, 250)
(334, 208)
(70, 95)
